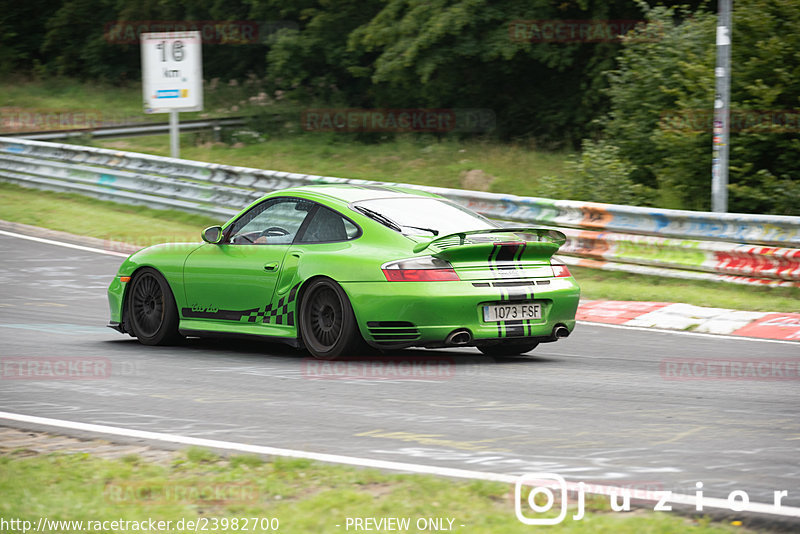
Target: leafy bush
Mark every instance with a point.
(662, 98)
(599, 174)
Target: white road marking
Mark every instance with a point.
(687, 333)
(675, 498)
(64, 244)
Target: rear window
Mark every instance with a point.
(327, 226)
(423, 216)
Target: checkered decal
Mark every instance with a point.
(277, 313)
(281, 312)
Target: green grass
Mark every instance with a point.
(424, 160)
(67, 95)
(303, 496)
(143, 226)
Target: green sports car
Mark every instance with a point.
(331, 267)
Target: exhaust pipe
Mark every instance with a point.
(560, 331)
(461, 336)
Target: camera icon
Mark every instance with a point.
(541, 484)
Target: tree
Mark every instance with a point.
(462, 54)
(662, 98)
(78, 42)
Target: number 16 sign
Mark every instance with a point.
(172, 72)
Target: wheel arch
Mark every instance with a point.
(126, 293)
(301, 291)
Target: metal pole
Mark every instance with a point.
(722, 101)
(174, 140)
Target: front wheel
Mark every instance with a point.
(151, 309)
(508, 349)
(327, 323)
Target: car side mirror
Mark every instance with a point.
(213, 235)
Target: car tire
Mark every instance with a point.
(508, 349)
(327, 323)
(152, 312)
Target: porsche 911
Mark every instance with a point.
(331, 268)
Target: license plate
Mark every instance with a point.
(512, 312)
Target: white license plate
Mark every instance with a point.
(512, 312)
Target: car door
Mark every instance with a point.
(234, 281)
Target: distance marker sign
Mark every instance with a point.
(172, 72)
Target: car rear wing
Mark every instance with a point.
(546, 241)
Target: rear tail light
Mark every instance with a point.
(424, 269)
(560, 271)
(420, 275)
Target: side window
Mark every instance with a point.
(327, 226)
(274, 222)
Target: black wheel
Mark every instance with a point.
(327, 324)
(152, 312)
(512, 348)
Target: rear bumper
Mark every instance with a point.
(401, 314)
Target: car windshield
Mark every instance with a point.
(422, 216)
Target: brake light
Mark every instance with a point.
(423, 269)
(420, 275)
(560, 271)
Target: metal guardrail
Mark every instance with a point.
(732, 262)
(127, 130)
(753, 249)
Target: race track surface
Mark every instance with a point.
(597, 407)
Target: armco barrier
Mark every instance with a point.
(757, 249)
(732, 227)
(740, 260)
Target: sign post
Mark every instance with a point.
(172, 77)
(722, 102)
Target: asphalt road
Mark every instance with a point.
(595, 407)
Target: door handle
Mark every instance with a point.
(270, 267)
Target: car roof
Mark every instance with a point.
(348, 193)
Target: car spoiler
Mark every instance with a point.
(543, 235)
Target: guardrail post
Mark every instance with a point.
(216, 132)
(174, 140)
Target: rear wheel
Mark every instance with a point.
(327, 323)
(151, 309)
(508, 349)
